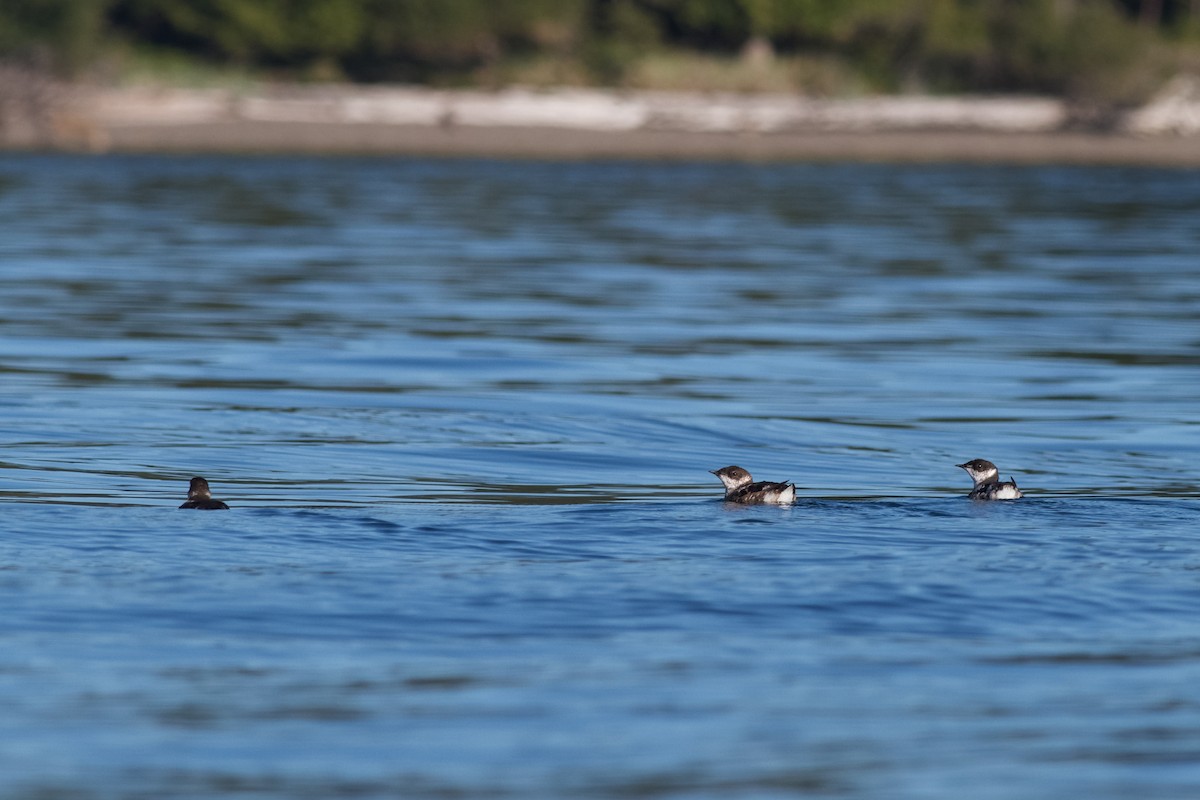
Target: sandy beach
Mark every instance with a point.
(599, 124)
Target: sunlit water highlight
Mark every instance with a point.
(464, 412)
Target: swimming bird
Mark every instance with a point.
(200, 496)
(741, 488)
(987, 482)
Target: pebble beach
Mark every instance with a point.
(571, 123)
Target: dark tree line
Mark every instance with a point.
(1004, 45)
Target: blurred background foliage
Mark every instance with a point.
(1108, 52)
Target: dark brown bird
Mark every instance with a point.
(988, 485)
(200, 496)
(741, 488)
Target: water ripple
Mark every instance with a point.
(464, 414)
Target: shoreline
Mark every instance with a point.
(573, 124)
(971, 147)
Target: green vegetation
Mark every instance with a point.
(1107, 52)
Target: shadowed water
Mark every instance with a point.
(464, 413)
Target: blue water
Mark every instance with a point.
(464, 413)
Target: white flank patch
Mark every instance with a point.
(785, 497)
(1006, 493)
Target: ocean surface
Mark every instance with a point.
(464, 413)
